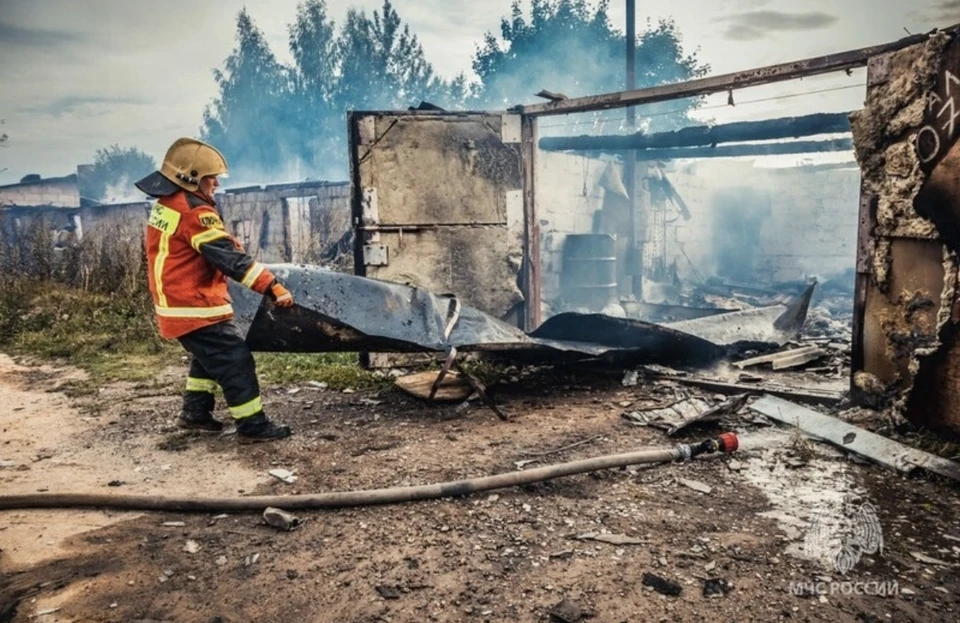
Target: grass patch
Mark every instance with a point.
(338, 370)
(112, 337)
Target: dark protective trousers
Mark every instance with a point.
(221, 357)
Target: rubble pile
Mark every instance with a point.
(822, 323)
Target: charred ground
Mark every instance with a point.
(511, 555)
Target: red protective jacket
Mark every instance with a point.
(189, 258)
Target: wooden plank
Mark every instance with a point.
(793, 359)
(804, 395)
(774, 358)
(717, 84)
(883, 451)
(453, 388)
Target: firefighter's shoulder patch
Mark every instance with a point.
(164, 219)
(211, 221)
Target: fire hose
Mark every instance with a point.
(726, 442)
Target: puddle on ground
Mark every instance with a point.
(825, 514)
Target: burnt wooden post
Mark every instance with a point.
(635, 248)
(531, 226)
(865, 249)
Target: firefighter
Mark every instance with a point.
(190, 255)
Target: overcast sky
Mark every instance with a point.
(77, 75)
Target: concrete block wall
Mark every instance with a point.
(810, 229)
(813, 229)
(287, 222)
(59, 192)
(125, 218)
(256, 218)
(568, 194)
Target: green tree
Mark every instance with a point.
(382, 66)
(567, 46)
(313, 44)
(114, 171)
(373, 62)
(250, 121)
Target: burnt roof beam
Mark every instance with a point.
(717, 84)
(698, 136)
(739, 150)
(748, 149)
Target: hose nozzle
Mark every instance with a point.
(729, 442)
(726, 442)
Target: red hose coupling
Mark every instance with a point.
(729, 442)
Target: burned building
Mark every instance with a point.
(305, 221)
(32, 190)
(522, 227)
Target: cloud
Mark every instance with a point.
(948, 6)
(12, 34)
(942, 12)
(87, 105)
(755, 25)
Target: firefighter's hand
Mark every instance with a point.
(281, 296)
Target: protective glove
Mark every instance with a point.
(280, 295)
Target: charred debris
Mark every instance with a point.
(810, 342)
(705, 370)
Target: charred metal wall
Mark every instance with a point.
(438, 204)
(905, 346)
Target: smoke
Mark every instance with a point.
(121, 191)
(739, 214)
(283, 124)
(290, 168)
(765, 225)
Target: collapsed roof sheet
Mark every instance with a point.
(338, 312)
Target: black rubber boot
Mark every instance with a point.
(257, 428)
(192, 420)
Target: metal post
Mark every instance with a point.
(635, 247)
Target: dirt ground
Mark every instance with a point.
(509, 555)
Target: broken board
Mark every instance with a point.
(869, 445)
(785, 359)
(453, 388)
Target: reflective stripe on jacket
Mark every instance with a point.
(190, 255)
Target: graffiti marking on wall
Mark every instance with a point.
(939, 133)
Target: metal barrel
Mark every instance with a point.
(589, 277)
